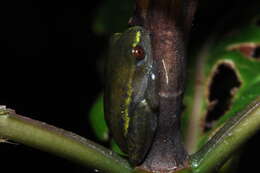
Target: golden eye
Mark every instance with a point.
(138, 52)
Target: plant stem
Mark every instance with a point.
(228, 139)
(57, 141)
(168, 22)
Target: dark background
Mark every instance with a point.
(48, 72)
(49, 58)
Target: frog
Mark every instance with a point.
(130, 95)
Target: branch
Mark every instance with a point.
(57, 141)
(228, 139)
(168, 22)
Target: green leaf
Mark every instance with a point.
(221, 63)
(97, 120)
(116, 148)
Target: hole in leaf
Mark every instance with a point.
(256, 53)
(221, 91)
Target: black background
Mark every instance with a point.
(48, 72)
(48, 60)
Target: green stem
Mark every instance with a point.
(228, 140)
(62, 143)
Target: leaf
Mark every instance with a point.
(225, 79)
(97, 120)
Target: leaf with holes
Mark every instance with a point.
(225, 79)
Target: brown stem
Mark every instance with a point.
(169, 22)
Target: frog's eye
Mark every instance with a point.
(138, 52)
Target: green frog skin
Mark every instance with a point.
(131, 101)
